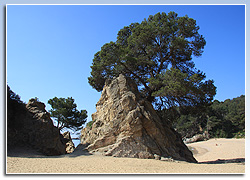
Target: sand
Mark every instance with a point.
(214, 156)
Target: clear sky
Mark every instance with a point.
(50, 47)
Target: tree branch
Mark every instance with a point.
(138, 77)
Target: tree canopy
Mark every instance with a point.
(157, 54)
(220, 119)
(66, 114)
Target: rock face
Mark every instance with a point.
(126, 125)
(32, 126)
(70, 147)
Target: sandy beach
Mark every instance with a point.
(214, 156)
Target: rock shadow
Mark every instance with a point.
(25, 152)
(29, 152)
(80, 150)
(224, 161)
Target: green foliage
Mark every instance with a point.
(230, 115)
(240, 134)
(89, 124)
(220, 119)
(157, 54)
(65, 113)
(178, 88)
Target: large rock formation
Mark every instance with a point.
(32, 126)
(126, 125)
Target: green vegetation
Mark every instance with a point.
(157, 54)
(220, 119)
(65, 113)
(89, 124)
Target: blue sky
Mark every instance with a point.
(50, 47)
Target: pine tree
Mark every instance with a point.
(65, 113)
(157, 54)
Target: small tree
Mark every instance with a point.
(65, 113)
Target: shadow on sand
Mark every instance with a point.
(224, 161)
(80, 150)
(29, 152)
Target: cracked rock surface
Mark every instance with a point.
(126, 125)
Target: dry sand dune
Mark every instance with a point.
(214, 156)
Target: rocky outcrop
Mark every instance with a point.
(70, 147)
(196, 138)
(32, 126)
(126, 125)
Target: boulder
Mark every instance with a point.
(32, 126)
(126, 125)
